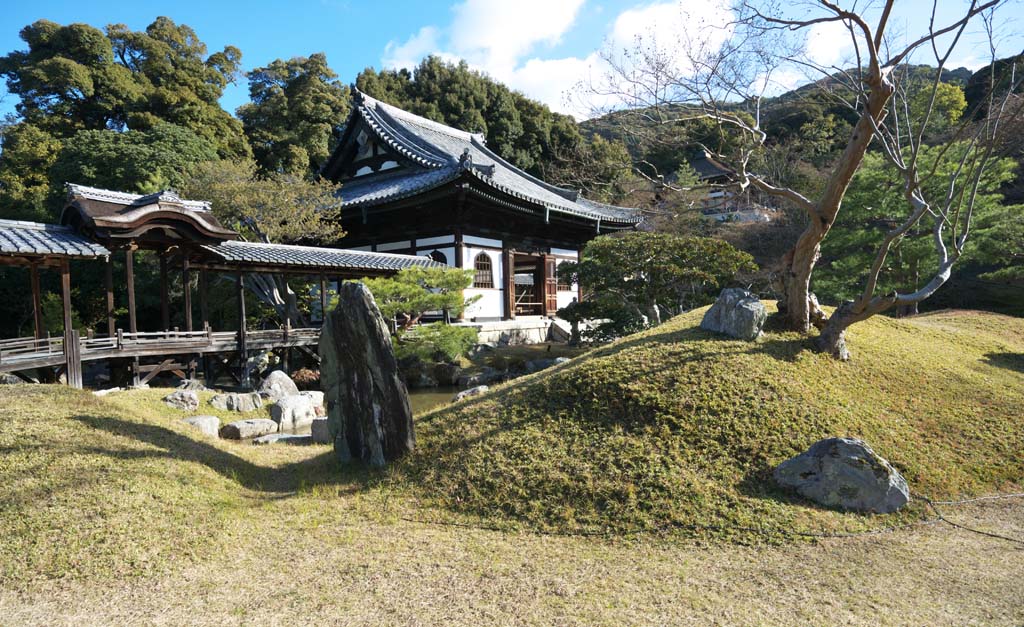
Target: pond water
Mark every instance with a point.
(425, 399)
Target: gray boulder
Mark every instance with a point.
(286, 438)
(317, 398)
(477, 391)
(447, 374)
(236, 401)
(277, 385)
(185, 400)
(292, 413)
(209, 425)
(254, 428)
(844, 473)
(487, 375)
(368, 407)
(736, 313)
(535, 365)
(7, 378)
(192, 384)
(320, 431)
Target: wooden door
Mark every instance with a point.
(550, 286)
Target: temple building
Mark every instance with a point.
(414, 186)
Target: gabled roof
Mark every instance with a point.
(34, 238)
(287, 256)
(109, 214)
(440, 154)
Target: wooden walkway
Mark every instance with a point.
(29, 353)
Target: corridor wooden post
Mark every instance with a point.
(186, 287)
(165, 310)
(108, 280)
(37, 305)
(129, 271)
(243, 354)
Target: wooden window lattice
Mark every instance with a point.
(484, 277)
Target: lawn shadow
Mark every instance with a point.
(1009, 361)
(322, 469)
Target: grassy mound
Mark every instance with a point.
(676, 428)
(120, 486)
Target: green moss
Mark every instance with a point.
(676, 428)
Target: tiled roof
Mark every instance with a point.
(445, 153)
(34, 238)
(136, 200)
(312, 257)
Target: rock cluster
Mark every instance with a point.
(185, 400)
(209, 425)
(844, 473)
(252, 428)
(237, 401)
(737, 313)
(277, 385)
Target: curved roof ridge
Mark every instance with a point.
(407, 116)
(571, 195)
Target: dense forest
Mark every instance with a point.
(140, 111)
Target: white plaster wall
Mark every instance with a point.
(564, 298)
(434, 241)
(491, 303)
(402, 245)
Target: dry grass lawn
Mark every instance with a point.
(113, 511)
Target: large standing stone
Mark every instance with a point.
(736, 313)
(292, 413)
(368, 408)
(253, 428)
(845, 473)
(278, 385)
(209, 425)
(185, 400)
(236, 401)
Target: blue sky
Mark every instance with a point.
(541, 47)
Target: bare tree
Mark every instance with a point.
(723, 73)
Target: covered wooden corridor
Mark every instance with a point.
(98, 224)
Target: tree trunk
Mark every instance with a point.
(798, 264)
(833, 334)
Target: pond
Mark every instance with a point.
(425, 399)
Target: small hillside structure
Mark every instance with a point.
(414, 186)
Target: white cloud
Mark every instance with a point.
(408, 55)
(506, 41)
(496, 35)
(828, 44)
(669, 28)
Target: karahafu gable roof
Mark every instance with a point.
(37, 239)
(442, 154)
(109, 213)
(293, 257)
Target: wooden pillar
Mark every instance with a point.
(204, 311)
(65, 292)
(186, 288)
(460, 253)
(129, 271)
(508, 258)
(37, 306)
(242, 347)
(323, 297)
(108, 280)
(165, 310)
